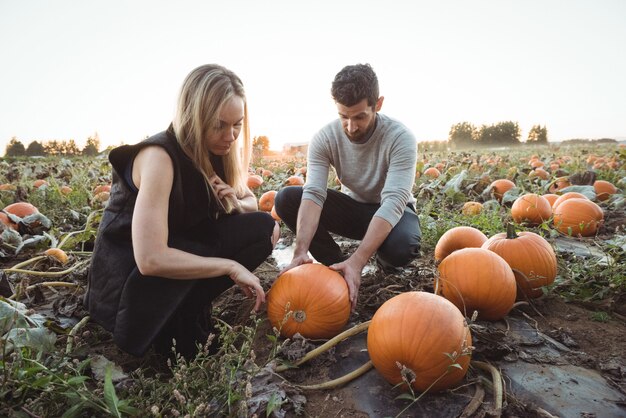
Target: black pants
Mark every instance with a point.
(344, 216)
(245, 238)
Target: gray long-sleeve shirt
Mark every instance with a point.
(381, 170)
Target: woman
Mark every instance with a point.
(181, 226)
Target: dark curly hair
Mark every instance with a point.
(355, 83)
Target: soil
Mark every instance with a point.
(596, 345)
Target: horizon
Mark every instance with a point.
(73, 69)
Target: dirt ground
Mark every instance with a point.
(595, 345)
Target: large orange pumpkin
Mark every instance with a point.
(530, 254)
(456, 238)
(500, 187)
(551, 198)
(578, 216)
(604, 189)
(419, 331)
(566, 196)
(266, 201)
(531, 209)
(476, 279)
(317, 298)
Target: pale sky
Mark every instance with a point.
(70, 68)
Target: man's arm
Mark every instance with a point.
(377, 232)
(306, 226)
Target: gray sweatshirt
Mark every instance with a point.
(381, 170)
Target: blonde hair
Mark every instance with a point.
(203, 94)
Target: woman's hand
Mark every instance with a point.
(249, 284)
(225, 192)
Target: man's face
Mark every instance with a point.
(358, 120)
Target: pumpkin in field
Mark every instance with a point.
(604, 189)
(294, 181)
(432, 172)
(317, 298)
(266, 201)
(65, 190)
(529, 254)
(274, 214)
(4, 218)
(551, 198)
(472, 208)
(559, 183)
(21, 209)
(566, 196)
(476, 279)
(531, 209)
(500, 187)
(578, 217)
(254, 181)
(539, 173)
(40, 183)
(57, 254)
(418, 332)
(7, 187)
(101, 188)
(456, 238)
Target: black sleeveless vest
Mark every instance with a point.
(132, 306)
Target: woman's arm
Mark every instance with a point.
(153, 174)
(247, 203)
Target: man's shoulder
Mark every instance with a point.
(394, 128)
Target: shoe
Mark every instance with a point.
(386, 268)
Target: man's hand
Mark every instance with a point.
(351, 271)
(297, 261)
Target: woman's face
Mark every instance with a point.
(223, 135)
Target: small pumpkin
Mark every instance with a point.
(432, 172)
(101, 188)
(578, 216)
(457, 238)
(476, 279)
(21, 209)
(254, 181)
(539, 173)
(294, 180)
(604, 189)
(58, 254)
(266, 201)
(531, 209)
(316, 298)
(419, 331)
(500, 187)
(551, 198)
(529, 254)
(472, 208)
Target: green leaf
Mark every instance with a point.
(74, 410)
(110, 397)
(76, 380)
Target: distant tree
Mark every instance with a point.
(537, 135)
(500, 134)
(15, 148)
(35, 149)
(70, 149)
(260, 146)
(52, 147)
(462, 135)
(92, 147)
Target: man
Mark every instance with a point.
(374, 157)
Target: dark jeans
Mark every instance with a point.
(245, 238)
(344, 216)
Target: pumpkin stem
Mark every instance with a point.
(497, 384)
(299, 316)
(340, 380)
(326, 346)
(510, 231)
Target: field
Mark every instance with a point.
(55, 362)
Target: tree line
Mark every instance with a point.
(466, 135)
(65, 148)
